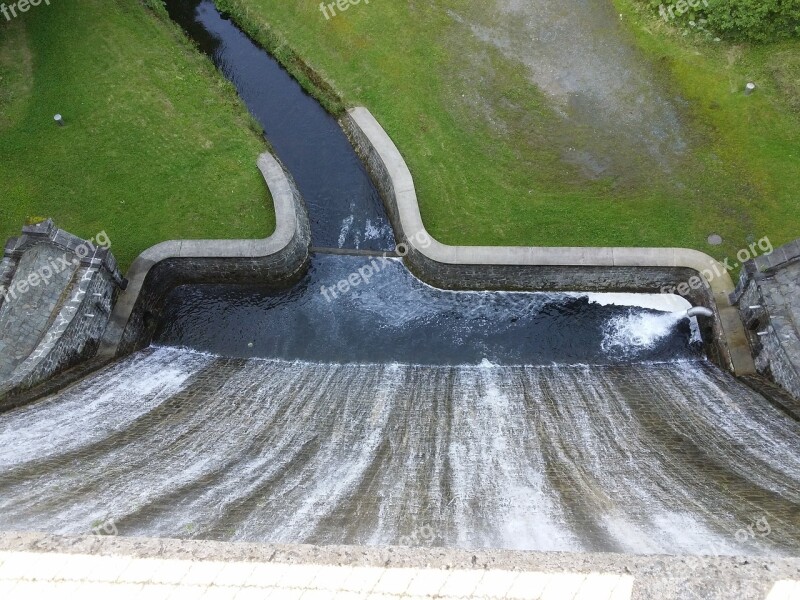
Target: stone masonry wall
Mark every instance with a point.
(768, 296)
(74, 310)
(7, 267)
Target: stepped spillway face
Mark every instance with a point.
(644, 458)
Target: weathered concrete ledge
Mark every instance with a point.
(655, 577)
(546, 268)
(278, 260)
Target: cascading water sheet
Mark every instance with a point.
(672, 457)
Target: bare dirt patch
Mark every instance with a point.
(614, 110)
(16, 73)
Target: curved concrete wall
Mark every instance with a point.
(279, 260)
(543, 268)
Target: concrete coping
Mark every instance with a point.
(414, 230)
(46, 231)
(652, 576)
(779, 257)
(286, 226)
(415, 234)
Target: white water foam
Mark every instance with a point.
(635, 331)
(545, 458)
(347, 224)
(376, 232)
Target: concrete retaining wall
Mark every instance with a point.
(542, 268)
(768, 296)
(278, 260)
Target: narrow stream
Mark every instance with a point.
(345, 209)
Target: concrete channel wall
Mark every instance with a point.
(278, 260)
(647, 270)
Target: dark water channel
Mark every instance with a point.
(343, 204)
(393, 317)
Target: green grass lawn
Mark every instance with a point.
(478, 135)
(157, 145)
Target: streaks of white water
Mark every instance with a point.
(548, 458)
(342, 459)
(89, 412)
(635, 331)
(347, 224)
(502, 498)
(746, 433)
(631, 490)
(377, 232)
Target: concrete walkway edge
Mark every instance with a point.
(321, 571)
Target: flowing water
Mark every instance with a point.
(395, 413)
(391, 316)
(344, 207)
(650, 457)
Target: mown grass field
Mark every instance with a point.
(157, 145)
(479, 136)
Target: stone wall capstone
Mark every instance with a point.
(58, 321)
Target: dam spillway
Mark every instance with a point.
(397, 413)
(644, 458)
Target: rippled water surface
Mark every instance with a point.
(391, 316)
(344, 207)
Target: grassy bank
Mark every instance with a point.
(157, 145)
(760, 133)
(486, 146)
